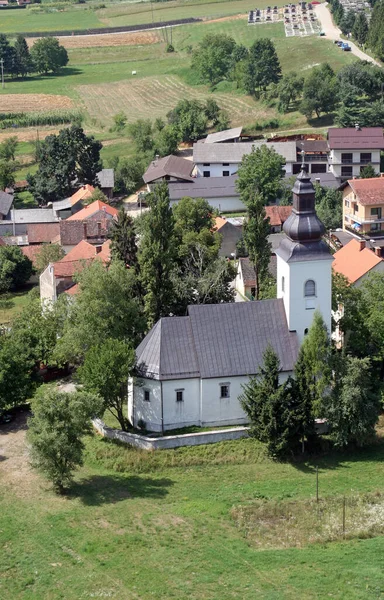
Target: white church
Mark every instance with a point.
(190, 370)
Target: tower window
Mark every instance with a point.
(283, 284)
(306, 331)
(310, 288)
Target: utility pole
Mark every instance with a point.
(2, 72)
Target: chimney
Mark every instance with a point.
(362, 245)
(378, 251)
(84, 231)
(317, 179)
(381, 174)
(357, 127)
(99, 229)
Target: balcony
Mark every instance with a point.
(314, 158)
(363, 220)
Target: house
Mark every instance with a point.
(352, 148)
(245, 281)
(170, 168)
(6, 201)
(190, 370)
(58, 277)
(355, 261)
(230, 236)
(43, 233)
(223, 160)
(18, 220)
(314, 153)
(277, 216)
(91, 224)
(229, 135)
(219, 192)
(69, 206)
(363, 205)
(106, 179)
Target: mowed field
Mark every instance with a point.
(33, 102)
(165, 526)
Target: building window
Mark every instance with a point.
(346, 171)
(318, 168)
(206, 164)
(224, 390)
(375, 227)
(283, 284)
(347, 204)
(147, 395)
(365, 158)
(225, 173)
(179, 395)
(346, 158)
(225, 164)
(376, 212)
(206, 173)
(253, 292)
(310, 288)
(306, 331)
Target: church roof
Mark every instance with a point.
(217, 340)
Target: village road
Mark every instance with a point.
(332, 32)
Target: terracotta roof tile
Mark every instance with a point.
(83, 193)
(350, 138)
(79, 257)
(219, 223)
(42, 232)
(368, 191)
(92, 209)
(72, 291)
(354, 262)
(31, 252)
(278, 214)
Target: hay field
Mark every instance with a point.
(33, 102)
(137, 38)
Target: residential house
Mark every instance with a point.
(190, 370)
(245, 281)
(18, 220)
(229, 135)
(70, 206)
(6, 201)
(352, 148)
(223, 160)
(219, 192)
(170, 168)
(314, 153)
(92, 224)
(355, 261)
(106, 179)
(43, 233)
(277, 216)
(363, 205)
(58, 277)
(230, 236)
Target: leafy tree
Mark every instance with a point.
(123, 239)
(167, 140)
(372, 307)
(256, 231)
(56, 429)
(271, 407)
(262, 66)
(212, 110)
(223, 122)
(347, 302)
(361, 78)
(313, 374)
(213, 58)
(129, 172)
(119, 121)
(48, 253)
(193, 215)
(47, 55)
(142, 134)
(22, 59)
(261, 172)
(63, 159)
(156, 254)
(8, 148)
(289, 88)
(17, 372)
(329, 206)
(376, 30)
(97, 194)
(360, 29)
(353, 407)
(368, 172)
(15, 268)
(105, 372)
(319, 92)
(106, 307)
(7, 53)
(190, 120)
(7, 174)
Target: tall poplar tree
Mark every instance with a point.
(23, 62)
(123, 239)
(256, 231)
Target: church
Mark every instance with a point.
(190, 370)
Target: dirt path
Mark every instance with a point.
(332, 32)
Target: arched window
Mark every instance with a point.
(283, 284)
(310, 288)
(306, 331)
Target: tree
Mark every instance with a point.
(372, 299)
(190, 120)
(119, 121)
(347, 304)
(271, 408)
(59, 422)
(15, 268)
(376, 30)
(23, 61)
(167, 140)
(347, 22)
(313, 374)
(7, 177)
(193, 214)
(262, 66)
(97, 194)
(156, 254)
(129, 173)
(354, 406)
(289, 88)
(329, 206)
(106, 307)
(48, 253)
(320, 91)
(64, 159)
(105, 372)
(7, 54)
(261, 172)
(213, 58)
(47, 55)
(256, 231)
(142, 134)
(123, 239)
(8, 148)
(360, 29)
(18, 379)
(368, 172)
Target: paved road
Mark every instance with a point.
(333, 33)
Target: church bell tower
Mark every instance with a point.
(304, 262)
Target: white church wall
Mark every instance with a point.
(141, 409)
(185, 412)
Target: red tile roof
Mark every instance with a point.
(31, 252)
(82, 251)
(83, 193)
(354, 260)
(219, 223)
(72, 291)
(368, 191)
(79, 257)
(350, 138)
(92, 209)
(278, 214)
(42, 232)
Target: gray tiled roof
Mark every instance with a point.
(233, 153)
(173, 166)
(217, 340)
(5, 203)
(33, 215)
(61, 204)
(204, 187)
(222, 136)
(106, 178)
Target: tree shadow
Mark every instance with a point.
(110, 489)
(323, 121)
(64, 72)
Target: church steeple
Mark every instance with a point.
(304, 225)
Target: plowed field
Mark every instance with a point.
(111, 39)
(33, 102)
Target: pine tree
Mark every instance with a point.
(23, 61)
(360, 29)
(157, 254)
(123, 239)
(7, 54)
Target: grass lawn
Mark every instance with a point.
(163, 525)
(17, 301)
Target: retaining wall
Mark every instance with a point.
(171, 441)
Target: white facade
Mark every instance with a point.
(291, 287)
(348, 163)
(224, 204)
(202, 404)
(225, 169)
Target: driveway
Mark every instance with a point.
(332, 32)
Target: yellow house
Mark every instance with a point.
(363, 205)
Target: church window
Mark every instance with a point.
(283, 284)
(224, 390)
(179, 395)
(310, 288)
(306, 331)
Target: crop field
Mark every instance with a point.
(33, 102)
(111, 40)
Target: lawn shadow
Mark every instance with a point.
(322, 121)
(109, 489)
(64, 72)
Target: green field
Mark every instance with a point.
(163, 525)
(17, 302)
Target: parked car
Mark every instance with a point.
(346, 47)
